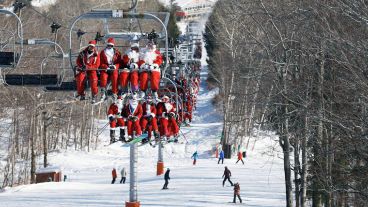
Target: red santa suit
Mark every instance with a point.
(115, 115)
(110, 59)
(133, 112)
(166, 112)
(149, 64)
(188, 105)
(130, 69)
(88, 63)
(149, 118)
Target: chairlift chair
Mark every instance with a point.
(10, 53)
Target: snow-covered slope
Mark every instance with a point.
(89, 174)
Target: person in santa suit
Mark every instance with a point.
(88, 62)
(149, 121)
(133, 113)
(188, 109)
(149, 65)
(109, 61)
(166, 114)
(130, 70)
(115, 115)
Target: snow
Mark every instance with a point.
(48, 169)
(43, 3)
(89, 173)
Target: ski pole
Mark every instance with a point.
(100, 131)
(183, 135)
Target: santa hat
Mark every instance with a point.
(111, 41)
(92, 43)
(165, 98)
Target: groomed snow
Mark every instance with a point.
(89, 174)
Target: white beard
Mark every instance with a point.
(168, 107)
(109, 52)
(149, 56)
(133, 56)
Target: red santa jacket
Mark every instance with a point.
(133, 109)
(90, 61)
(149, 109)
(163, 109)
(105, 61)
(114, 110)
(152, 58)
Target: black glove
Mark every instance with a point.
(171, 114)
(111, 118)
(134, 118)
(83, 68)
(112, 67)
(149, 118)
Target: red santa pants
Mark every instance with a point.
(134, 126)
(134, 77)
(93, 81)
(155, 80)
(123, 80)
(118, 122)
(153, 125)
(143, 80)
(113, 76)
(168, 127)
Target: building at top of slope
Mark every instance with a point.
(194, 10)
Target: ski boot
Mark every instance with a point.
(93, 99)
(112, 136)
(122, 135)
(103, 94)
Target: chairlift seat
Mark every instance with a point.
(8, 59)
(31, 79)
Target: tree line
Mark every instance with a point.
(298, 68)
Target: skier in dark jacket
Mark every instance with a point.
(226, 176)
(167, 178)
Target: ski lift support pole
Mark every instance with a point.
(133, 196)
(160, 161)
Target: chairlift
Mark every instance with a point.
(42, 78)
(10, 53)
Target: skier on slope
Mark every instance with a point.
(114, 175)
(116, 119)
(167, 178)
(123, 175)
(148, 120)
(226, 176)
(110, 61)
(130, 70)
(240, 157)
(133, 112)
(88, 62)
(221, 157)
(237, 192)
(149, 65)
(195, 157)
